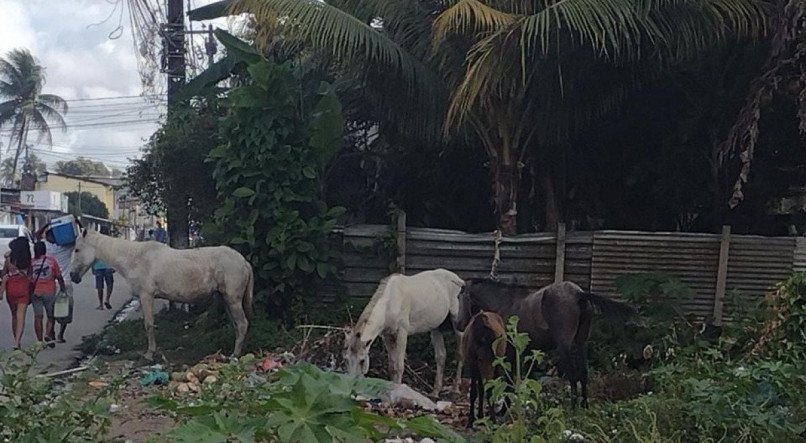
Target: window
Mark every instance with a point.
(9, 233)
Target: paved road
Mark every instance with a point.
(86, 320)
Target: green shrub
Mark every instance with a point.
(528, 416)
(281, 130)
(298, 404)
(784, 335)
(31, 410)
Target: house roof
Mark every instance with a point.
(113, 182)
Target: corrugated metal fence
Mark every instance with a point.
(722, 270)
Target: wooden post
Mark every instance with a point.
(401, 242)
(722, 275)
(559, 260)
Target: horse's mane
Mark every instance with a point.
(372, 302)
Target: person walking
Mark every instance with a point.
(63, 255)
(159, 234)
(103, 274)
(46, 273)
(17, 284)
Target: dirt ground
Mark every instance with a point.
(135, 421)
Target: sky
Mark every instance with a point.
(90, 60)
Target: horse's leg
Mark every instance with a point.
(389, 343)
(147, 303)
(439, 355)
(459, 362)
(472, 417)
(566, 363)
(581, 341)
(239, 322)
(401, 339)
(480, 389)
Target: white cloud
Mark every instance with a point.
(71, 40)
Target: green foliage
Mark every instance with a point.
(298, 404)
(32, 411)
(704, 396)
(24, 109)
(281, 130)
(82, 166)
(784, 335)
(527, 417)
(90, 204)
(660, 325)
(6, 167)
(190, 336)
(173, 166)
(713, 390)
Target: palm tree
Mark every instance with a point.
(26, 108)
(7, 175)
(515, 77)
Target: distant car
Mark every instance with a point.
(10, 232)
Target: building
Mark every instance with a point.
(105, 188)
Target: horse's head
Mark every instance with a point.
(83, 255)
(356, 352)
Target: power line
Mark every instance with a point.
(102, 124)
(152, 97)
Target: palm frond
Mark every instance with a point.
(344, 37)
(470, 17)
(620, 31)
(8, 110)
(331, 29)
(37, 122)
(49, 114)
(53, 101)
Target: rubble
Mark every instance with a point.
(404, 397)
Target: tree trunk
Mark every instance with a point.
(506, 181)
(20, 141)
(177, 215)
(552, 207)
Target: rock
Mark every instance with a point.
(178, 376)
(98, 384)
(190, 377)
(442, 405)
(210, 379)
(403, 396)
(194, 387)
(253, 380)
(114, 408)
(182, 388)
(201, 371)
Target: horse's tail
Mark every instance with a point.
(612, 309)
(247, 296)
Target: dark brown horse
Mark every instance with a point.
(558, 316)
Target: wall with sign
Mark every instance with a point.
(43, 201)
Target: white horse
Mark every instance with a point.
(402, 306)
(154, 270)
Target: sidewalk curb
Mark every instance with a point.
(123, 314)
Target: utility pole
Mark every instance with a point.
(79, 199)
(173, 45)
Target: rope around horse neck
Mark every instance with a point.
(496, 254)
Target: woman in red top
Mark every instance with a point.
(17, 283)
